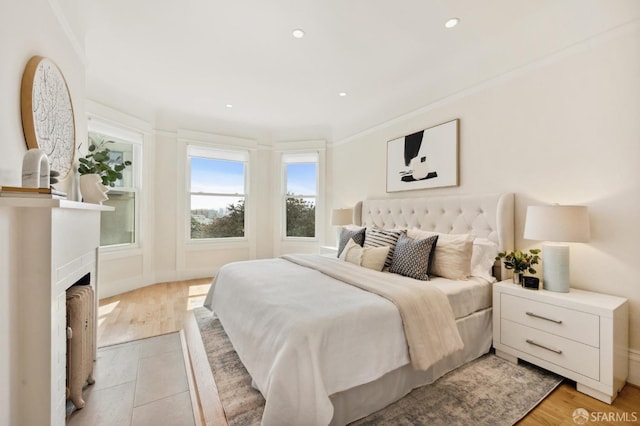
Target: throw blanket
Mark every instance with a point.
(303, 335)
(428, 320)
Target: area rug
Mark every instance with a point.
(486, 391)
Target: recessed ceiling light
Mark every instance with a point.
(452, 22)
(229, 106)
(297, 33)
(342, 94)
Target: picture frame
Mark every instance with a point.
(424, 159)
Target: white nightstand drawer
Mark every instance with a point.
(580, 358)
(575, 325)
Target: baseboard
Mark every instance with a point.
(195, 274)
(634, 367)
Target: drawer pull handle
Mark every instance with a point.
(531, 342)
(531, 314)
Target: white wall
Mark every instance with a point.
(564, 129)
(24, 33)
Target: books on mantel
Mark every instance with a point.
(20, 192)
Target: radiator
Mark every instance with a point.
(80, 341)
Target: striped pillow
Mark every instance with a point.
(376, 237)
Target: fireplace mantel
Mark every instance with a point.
(55, 244)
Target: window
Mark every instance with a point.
(217, 192)
(120, 227)
(301, 191)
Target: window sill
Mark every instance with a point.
(223, 243)
(300, 240)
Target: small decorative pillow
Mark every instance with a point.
(347, 234)
(411, 257)
(452, 256)
(369, 257)
(351, 253)
(483, 258)
(376, 237)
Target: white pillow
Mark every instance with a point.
(483, 258)
(367, 257)
(376, 237)
(452, 256)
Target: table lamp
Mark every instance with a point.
(341, 217)
(559, 225)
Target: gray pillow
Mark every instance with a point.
(412, 258)
(347, 234)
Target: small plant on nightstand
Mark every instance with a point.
(520, 262)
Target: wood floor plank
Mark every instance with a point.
(161, 308)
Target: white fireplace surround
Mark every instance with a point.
(58, 245)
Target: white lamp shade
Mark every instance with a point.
(557, 223)
(340, 217)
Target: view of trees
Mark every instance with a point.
(301, 218)
(301, 221)
(229, 225)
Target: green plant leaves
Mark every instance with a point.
(98, 161)
(520, 261)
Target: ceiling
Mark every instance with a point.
(195, 57)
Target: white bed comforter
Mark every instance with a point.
(304, 335)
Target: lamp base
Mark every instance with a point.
(555, 272)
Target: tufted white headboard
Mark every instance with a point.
(486, 215)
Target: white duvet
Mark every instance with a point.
(303, 335)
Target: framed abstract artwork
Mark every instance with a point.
(424, 159)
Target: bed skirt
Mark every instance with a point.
(359, 402)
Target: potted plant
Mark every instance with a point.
(99, 170)
(520, 262)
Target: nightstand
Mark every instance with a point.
(329, 250)
(581, 335)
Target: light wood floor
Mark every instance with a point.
(161, 308)
(148, 311)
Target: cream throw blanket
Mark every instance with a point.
(428, 320)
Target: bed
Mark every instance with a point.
(323, 351)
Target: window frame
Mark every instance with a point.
(209, 152)
(135, 138)
(290, 158)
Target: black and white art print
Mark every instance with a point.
(424, 159)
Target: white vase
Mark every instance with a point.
(92, 189)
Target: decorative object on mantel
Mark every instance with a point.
(424, 159)
(561, 224)
(92, 189)
(99, 170)
(35, 169)
(20, 192)
(53, 176)
(100, 161)
(520, 262)
(47, 113)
